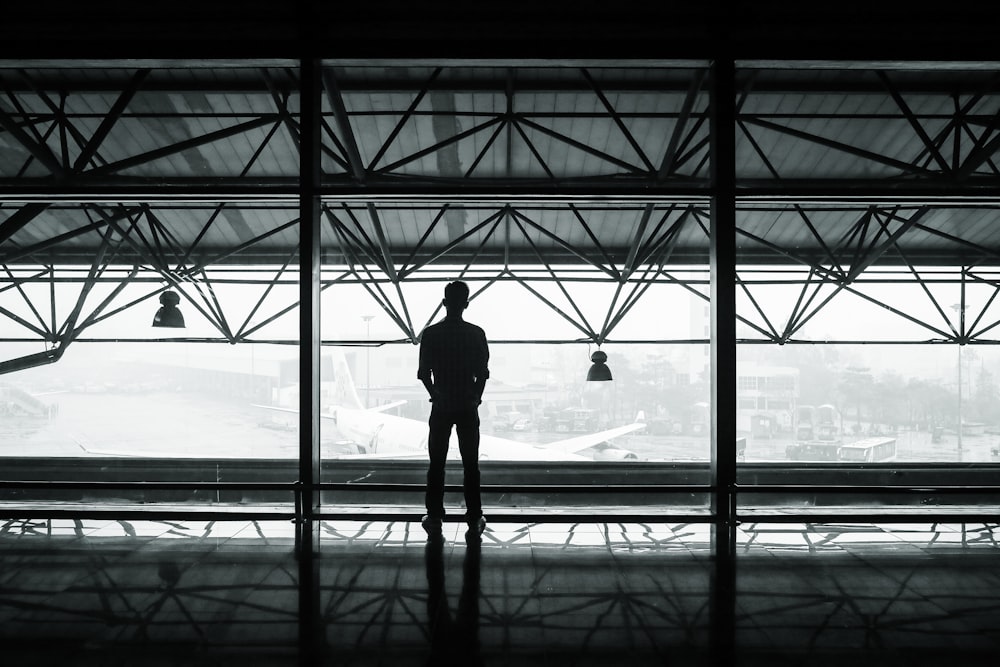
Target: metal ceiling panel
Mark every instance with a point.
(446, 130)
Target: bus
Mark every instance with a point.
(869, 450)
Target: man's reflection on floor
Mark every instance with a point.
(454, 640)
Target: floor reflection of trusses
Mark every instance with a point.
(570, 587)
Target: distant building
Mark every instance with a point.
(766, 399)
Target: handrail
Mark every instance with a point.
(355, 486)
(881, 488)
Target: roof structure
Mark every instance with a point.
(863, 139)
(506, 160)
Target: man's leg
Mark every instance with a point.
(437, 449)
(467, 429)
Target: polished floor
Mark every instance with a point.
(99, 592)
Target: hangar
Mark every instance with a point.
(725, 189)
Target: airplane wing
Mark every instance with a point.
(291, 411)
(375, 435)
(294, 411)
(387, 406)
(573, 445)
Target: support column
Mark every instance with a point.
(307, 533)
(309, 274)
(722, 249)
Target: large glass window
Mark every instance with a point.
(151, 363)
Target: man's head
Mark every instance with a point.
(456, 296)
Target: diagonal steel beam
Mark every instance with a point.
(208, 261)
(786, 253)
(405, 270)
(360, 237)
(775, 336)
(587, 328)
(90, 150)
(43, 333)
(837, 145)
(212, 302)
(281, 104)
(923, 285)
(242, 330)
(55, 108)
(894, 310)
(194, 142)
(565, 245)
(801, 309)
(145, 250)
(336, 99)
(370, 285)
(612, 270)
(383, 243)
(618, 120)
(489, 144)
(959, 123)
(873, 254)
(18, 220)
(63, 139)
(663, 249)
(929, 145)
(95, 314)
(669, 236)
(980, 154)
(441, 144)
(65, 332)
(17, 284)
(532, 149)
(667, 164)
(636, 241)
(976, 333)
(774, 173)
(493, 218)
(579, 145)
(702, 147)
(405, 117)
(39, 151)
(584, 328)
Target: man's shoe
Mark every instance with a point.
(477, 526)
(431, 524)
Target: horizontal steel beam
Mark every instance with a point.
(499, 191)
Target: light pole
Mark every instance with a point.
(368, 359)
(960, 309)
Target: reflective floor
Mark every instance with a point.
(93, 592)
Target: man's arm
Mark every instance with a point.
(484, 369)
(424, 373)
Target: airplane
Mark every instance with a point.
(373, 433)
(19, 403)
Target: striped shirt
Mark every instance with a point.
(454, 354)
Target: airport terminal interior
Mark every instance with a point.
(738, 270)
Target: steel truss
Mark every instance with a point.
(318, 175)
(138, 246)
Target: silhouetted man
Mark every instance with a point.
(454, 365)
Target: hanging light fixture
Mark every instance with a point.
(599, 371)
(168, 315)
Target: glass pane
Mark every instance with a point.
(123, 367)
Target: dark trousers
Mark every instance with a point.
(466, 423)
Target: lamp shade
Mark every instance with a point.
(599, 371)
(168, 315)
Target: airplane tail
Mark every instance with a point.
(345, 394)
